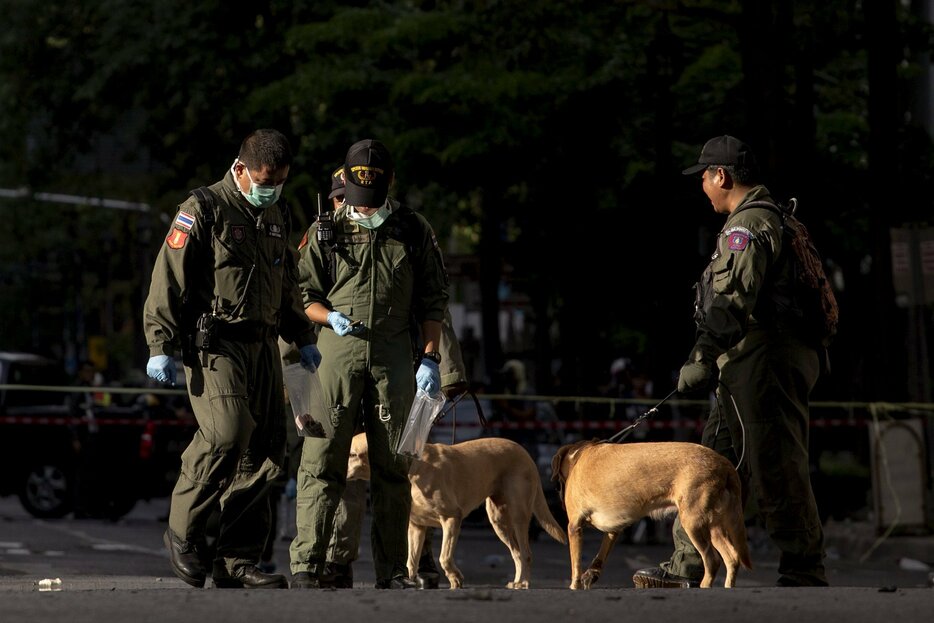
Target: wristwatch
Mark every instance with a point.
(433, 355)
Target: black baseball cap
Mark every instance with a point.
(368, 172)
(337, 182)
(723, 150)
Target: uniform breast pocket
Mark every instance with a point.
(722, 271)
(230, 269)
(402, 282)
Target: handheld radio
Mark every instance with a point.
(325, 225)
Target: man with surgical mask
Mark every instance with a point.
(224, 288)
(384, 269)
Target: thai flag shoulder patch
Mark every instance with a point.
(184, 221)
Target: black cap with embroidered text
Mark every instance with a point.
(723, 150)
(337, 182)
(368, 173)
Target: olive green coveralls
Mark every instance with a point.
(344, 548)
(242, 269)
(384, 280)
(767, 372)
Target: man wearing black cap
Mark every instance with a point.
(387, 269)
(337, 187)
(766, 372)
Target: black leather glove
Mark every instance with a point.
(695, 376)
(699, 372)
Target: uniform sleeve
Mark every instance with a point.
(311, 270)
(175, 277)
(294, 325)
(431, 279)
(453, 370)
(738, 275)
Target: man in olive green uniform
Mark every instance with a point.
(384, 268)
(747, 328)
(344, 548)
(348, 519)
(223, 287)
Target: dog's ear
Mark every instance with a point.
(574, 451)
(556, 461)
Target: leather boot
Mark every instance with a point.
(427, 576)
(337, 575)
(186, 561)
(247, 576)
(656, 577)
(304, 579)
(398, 579)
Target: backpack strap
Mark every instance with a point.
(208, 202)
(768, 205)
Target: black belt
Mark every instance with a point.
(245, 331)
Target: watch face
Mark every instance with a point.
(436, 357)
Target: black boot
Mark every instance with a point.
(304, 579)
(337, 575)
(247, 576)
(186, 560)
(427, 576)
(399, 580)
(656, 577)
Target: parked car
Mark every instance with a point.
(60, 452)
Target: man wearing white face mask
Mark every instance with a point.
(384, 269)
(224, 288)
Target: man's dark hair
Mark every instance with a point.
(265, 148)
(744, 176)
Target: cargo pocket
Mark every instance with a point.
(722, 271)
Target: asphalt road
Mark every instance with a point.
(118, 571)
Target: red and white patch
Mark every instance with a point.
(301, 245)
(737, 238)
(176, 239)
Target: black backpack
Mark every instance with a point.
(813, 294)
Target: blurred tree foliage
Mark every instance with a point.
(548, 135)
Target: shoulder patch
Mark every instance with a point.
(304, 242)
(738, 238)
(184, 221)
(176, 239)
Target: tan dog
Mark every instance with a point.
(448, 482)
(612, 485)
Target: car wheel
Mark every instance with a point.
(47, 490)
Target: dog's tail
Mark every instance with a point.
(545, 518)
(736, 523)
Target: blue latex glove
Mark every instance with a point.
(341, 324)
(161, 368)
(311, 357)
(291, 489)
(428, 377)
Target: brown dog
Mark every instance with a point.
(610, 486)
(448, 482)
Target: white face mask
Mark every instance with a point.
(259, 196)
(369, 222)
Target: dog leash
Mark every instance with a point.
(621, 435)
(452, 408)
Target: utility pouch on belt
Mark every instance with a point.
(206, 335)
